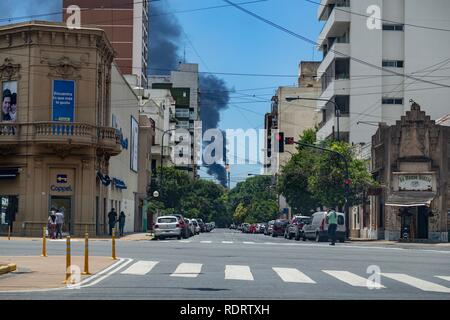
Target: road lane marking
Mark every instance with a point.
(352, 279)
(248, 242)
(293, 275)
(227, 241)
(443, 277)
(187, 270)
(140, 268)
(185, 241)
(417, 283)
(233, 272)
(205, 241)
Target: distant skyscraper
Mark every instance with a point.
(126, 25)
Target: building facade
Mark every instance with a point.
(371, 68)
(56, 138)
(410, 160)
(126, 23)
(184, 87)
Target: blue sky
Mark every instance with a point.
(228, 40)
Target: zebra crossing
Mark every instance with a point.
(291, 275)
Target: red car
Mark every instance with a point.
(252, 228)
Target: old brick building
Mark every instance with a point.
(411, 162)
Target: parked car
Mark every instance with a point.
(167, 226)
(196, 226)
(232, 226)
(269, 228)
(279, 227)
(208, 227)
(191, 227)
(184, 226)
(252, 228)
(201, 224)
(262, 228)
(213, 225)
(295, 227)
(245, 227)
(317, 229)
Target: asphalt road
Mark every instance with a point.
(229, 265)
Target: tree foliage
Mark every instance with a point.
(314, 178)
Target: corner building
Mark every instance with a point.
(56, 149)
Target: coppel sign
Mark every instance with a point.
(60, 189)
(63, 100)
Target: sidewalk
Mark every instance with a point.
(37, 273)
(137, 237)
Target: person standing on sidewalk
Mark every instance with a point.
(332, 225)
(51, 225)
(122, 218)
(59, 222)
(112, 216)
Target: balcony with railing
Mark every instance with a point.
(337, 22)
(61, 133)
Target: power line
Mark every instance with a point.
(384, 20)
(294, 34)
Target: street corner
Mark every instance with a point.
(35, 273)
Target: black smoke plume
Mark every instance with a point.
(165, 37)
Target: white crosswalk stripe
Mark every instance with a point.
(185, 241)
(417, 283)
(248, 242)
(140, 268)
(233, 272)
(187, 270)
(293, 275)
(205, 241)
(352, 279)
(443, 277)
(227, 241)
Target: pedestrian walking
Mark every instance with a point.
(122, 218)
(332, 225)
(112, 217)
(51, 225)
(59, 222)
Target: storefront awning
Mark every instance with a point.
(105, 179)
(410, 198)
(8, 173)
(119, 184)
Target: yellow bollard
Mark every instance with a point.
(86, 254)
(44, 246)
(68, 263)
(114, 245)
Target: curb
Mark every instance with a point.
(8, 268)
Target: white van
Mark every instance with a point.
(317, 229)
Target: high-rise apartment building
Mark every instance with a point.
(126, 24)
(184, 87)
(378, 55)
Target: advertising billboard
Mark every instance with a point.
(63, 100)
(9, 101)
(134, 145)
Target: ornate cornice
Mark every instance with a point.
(63, 67)
(9, 70)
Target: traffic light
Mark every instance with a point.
(279, 140)
(289, 140)
(347, 186)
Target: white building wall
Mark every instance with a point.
(124, 105)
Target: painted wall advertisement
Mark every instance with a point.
(63, 100)
(415, 182)
(134, 145)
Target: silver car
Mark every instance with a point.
(167, 226)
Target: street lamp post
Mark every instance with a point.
(336, 107)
